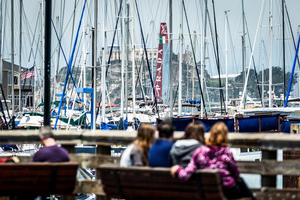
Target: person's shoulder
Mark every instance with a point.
(226, 150)
(60, 148)
(136, 149)
(40, 155)
(63, 149)
(166, 144)
(156, 144)
(43, 150)
(56, 149)
(170, 142)
(64, 154)
(203, 149)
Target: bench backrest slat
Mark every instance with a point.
(156, 183)
(38, 178)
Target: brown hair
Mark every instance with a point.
(144, 139)
(194, 131)
(218, 135)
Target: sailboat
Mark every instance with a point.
(181, 121)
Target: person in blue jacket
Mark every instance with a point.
(159, 153)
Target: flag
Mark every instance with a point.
(27, 75)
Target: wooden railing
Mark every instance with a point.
(268, 167)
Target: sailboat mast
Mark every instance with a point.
(226, 61)
(123, 59)
(203, 52)
(180, 62)
(94, 115)
(193, 72)
(35, 84)
(153, 56)
(85, 53)
(12, 58)
(243, 45)
(171, 54)
(103, 70)
(47, 64)
(133, 60)
(40, 81)
(271, 51)
(20, 55)
(262, 78)
(127, 57)
(283, 46)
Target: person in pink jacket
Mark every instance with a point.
(216, 155)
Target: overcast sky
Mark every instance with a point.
(152, 13)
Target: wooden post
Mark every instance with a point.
(279, 124)
(104, 149)
(259, 124)
(291, 181)
(268, 181)
(236, 126)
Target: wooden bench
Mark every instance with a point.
(136, 183)
(37, 178)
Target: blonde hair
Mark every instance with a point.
(218, 135)
(144, 139)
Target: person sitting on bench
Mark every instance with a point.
(159, 153)
(216, 155)
(136, 154)
(51, 152)
(183, 149)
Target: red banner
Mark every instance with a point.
(163, 38)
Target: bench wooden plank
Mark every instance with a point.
(270, 167)
(254, 140)
(157, 183)
(37, 178)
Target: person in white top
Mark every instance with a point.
(136, 154)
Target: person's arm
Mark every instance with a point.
(197, 160)
(136, 157)
(173, 158)
(186, 173)
(232, 165)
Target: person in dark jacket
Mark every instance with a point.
(51, 152)
(159, 153)
(182, 151)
